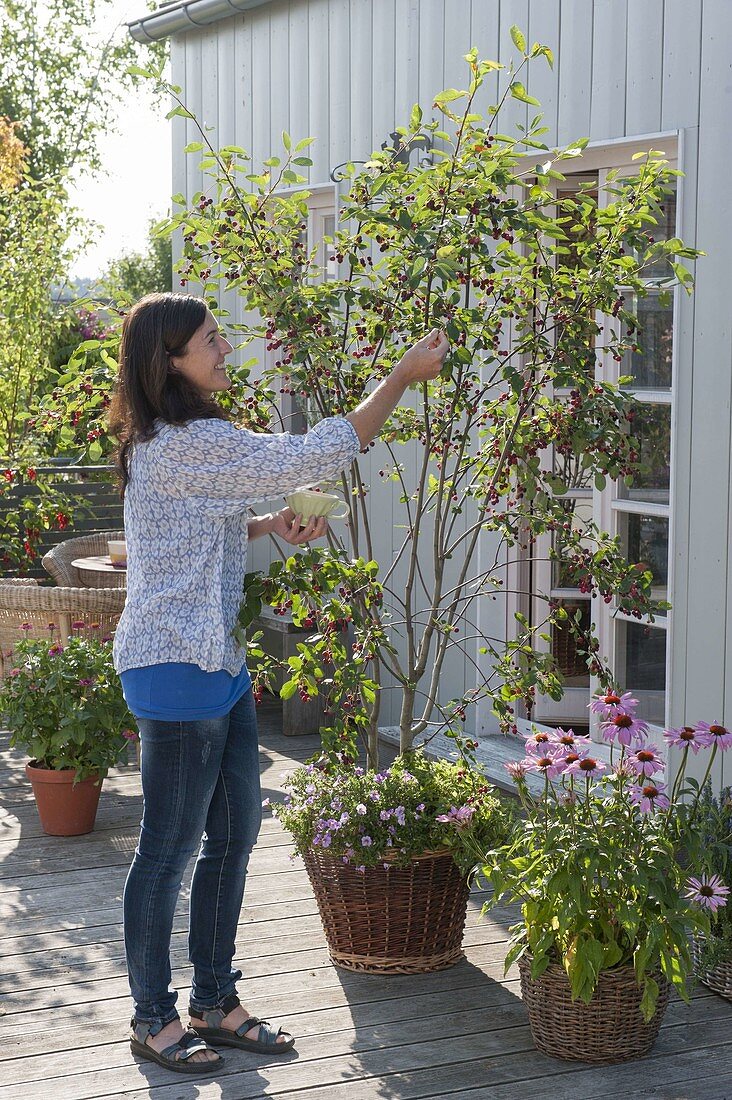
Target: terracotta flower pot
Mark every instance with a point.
(64, 809)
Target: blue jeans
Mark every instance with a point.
(200, 785)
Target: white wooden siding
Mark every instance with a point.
(348, 71)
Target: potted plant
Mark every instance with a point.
(479, 240)
(612, 875)
(396, 848)
(712, 953)
(64, 704)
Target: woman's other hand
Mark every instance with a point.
(423, 361)
(287, 525)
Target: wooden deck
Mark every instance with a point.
(461, 1033)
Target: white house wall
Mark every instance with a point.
(347, 71)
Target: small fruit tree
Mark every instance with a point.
(479, 244)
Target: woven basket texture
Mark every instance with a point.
(607, 1030)
(719, 977)
(28, 611)
(57, 561)
(391, 920)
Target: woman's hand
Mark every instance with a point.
(287, 525)
(423, 361)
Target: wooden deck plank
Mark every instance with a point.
(458, 1033)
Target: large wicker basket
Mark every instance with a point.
(390, 919)
(719, 976)
(607, 1030)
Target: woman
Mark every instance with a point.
(188, 477)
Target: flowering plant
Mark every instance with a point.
(416, 805)
(715, 824)
(601, 865)
(64, 703)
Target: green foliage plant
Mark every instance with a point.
(63, 703)
(475, 241)
(715, 825)
(416, 805)
(602, 863)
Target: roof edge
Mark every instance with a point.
(185, 15)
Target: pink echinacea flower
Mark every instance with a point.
(624, 728)
(586, 765)
(691, 737)
(709, 892)
(718, 734)
(646, 761)
(649, 796)
(610, 704)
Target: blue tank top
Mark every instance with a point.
(182, 692)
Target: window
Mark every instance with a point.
(320, 230)
(638, 511)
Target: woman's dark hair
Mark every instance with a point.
(157, 327)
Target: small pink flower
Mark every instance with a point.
(130, 735)
(549, 764)
(78, 624)
(692, 737)
(55, 650)
(539, 740)
(26, 626)
(460, 816)
(646, 761)
(587, 766)
(624, 728)
(649, 796)
(86, 682)
(569, 739)
(718, 734)
(610, 704)
(516, 769)
(14, 672)
(710, 893)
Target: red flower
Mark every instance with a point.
(31, 474)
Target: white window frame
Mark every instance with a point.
(608, 506)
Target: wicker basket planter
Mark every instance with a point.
(719, 977)
(391, 920)
(607, 1030)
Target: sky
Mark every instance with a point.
(134, 185)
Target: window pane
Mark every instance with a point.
(565, 645)
(645, 542)
(579, 512)
(665, 229)
(652, 430)
(641, 667)
(650, 366)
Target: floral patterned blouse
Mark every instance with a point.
(185, 517)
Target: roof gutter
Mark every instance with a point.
(185, 15)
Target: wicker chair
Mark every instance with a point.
(39, 611)
(57, 562)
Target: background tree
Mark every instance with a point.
(59, 83)
(477, 243)
(134, 274)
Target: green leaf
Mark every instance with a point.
(288, 689)
(448, 96)
(179, 111)
(518, 91)
(518, 39)
(286, 140)
(193, 147)
(415, 119)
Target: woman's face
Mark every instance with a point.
(203, 362)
